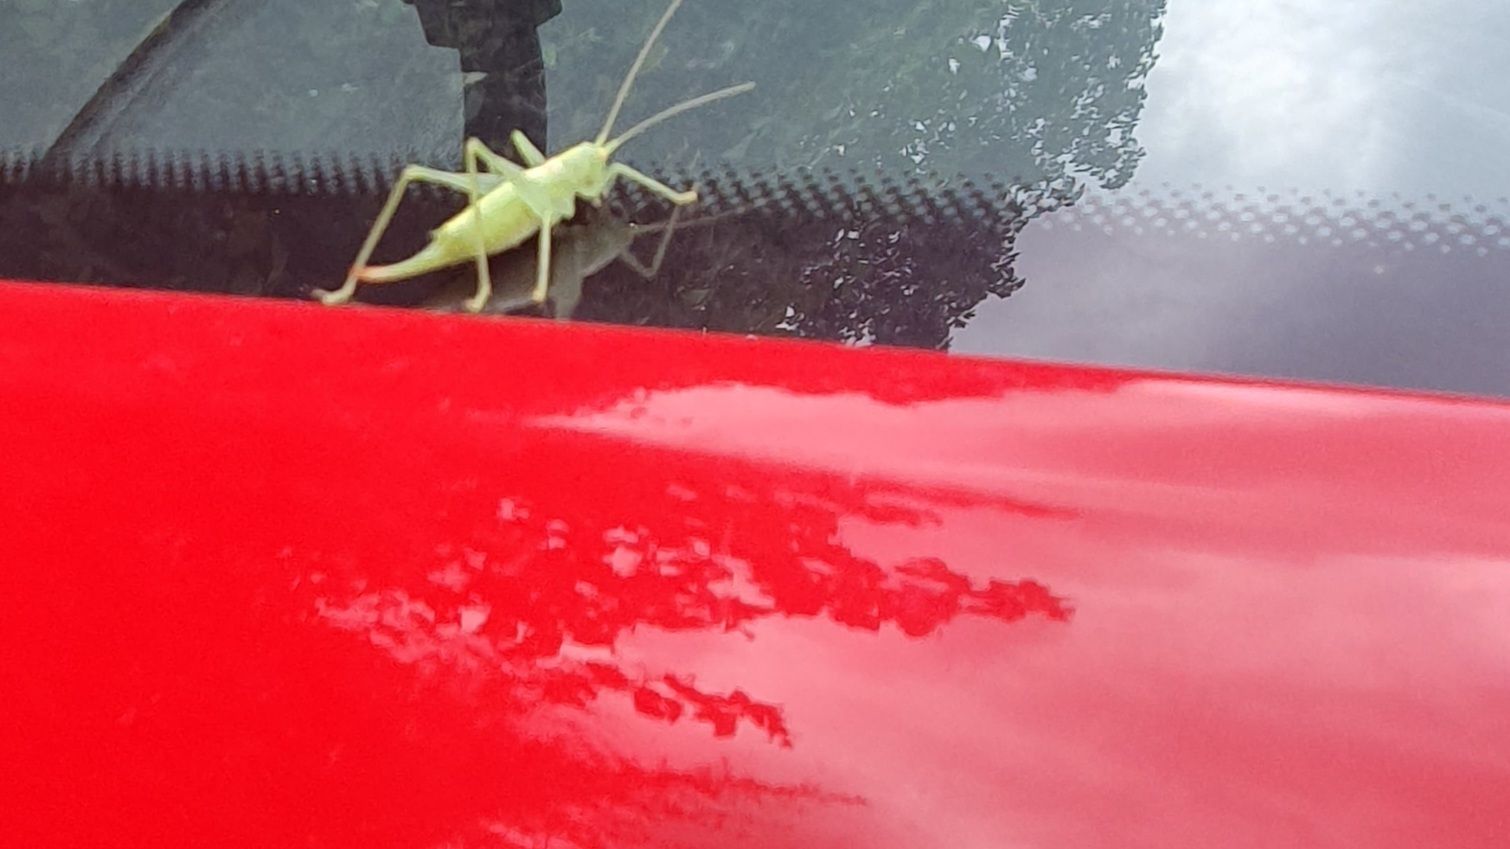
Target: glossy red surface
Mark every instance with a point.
(278, 575)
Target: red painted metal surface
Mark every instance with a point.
(278, 575)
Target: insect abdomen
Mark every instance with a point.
(506, 223)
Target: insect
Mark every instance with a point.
(507, 203)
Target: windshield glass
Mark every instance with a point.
(1311, 191)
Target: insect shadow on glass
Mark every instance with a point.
(581, 248)
(507, 204)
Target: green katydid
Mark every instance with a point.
(508, 203)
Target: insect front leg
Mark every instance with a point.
(410, 174)
(619, 169)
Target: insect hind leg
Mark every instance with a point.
(476, 150)
(527, 151)
(410, 174)
(494, 162)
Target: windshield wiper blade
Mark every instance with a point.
(134, 74)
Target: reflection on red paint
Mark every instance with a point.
(285, 576)
(666, 541)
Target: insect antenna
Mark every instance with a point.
(679, 108)
(634, 70)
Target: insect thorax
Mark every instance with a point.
(583, 167)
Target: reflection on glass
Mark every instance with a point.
(1040, 96)
(503, 71)
(1023, 91)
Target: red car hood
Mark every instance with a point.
(285, 576)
